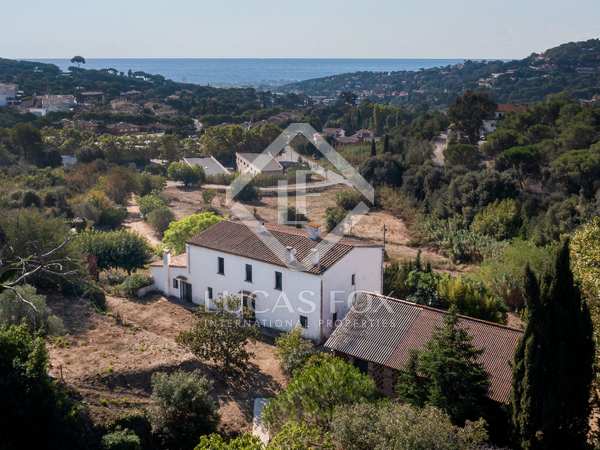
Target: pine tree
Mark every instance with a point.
(553, 362)
(373, 148)
(450, 377)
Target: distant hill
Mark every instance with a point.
(572, 67)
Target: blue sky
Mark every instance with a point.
(279, 28)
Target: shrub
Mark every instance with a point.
(120, 249)
(150, 183)
(499, 220)
(463, 155)
(315, 390)
(292, 350)
(149, 203)
(216, 442)
(183, 409)
(208, 195)
(221, 337)
(188, 175)
(386, 169)
(502, 274)
(178, 232)
(96, 207)
(134, 283)
(35, 314)
(160, 219)
(138, 423)
(121, 440)
(388, 425)
(348, 200)
(95, 295)
(30, 198)
(249, 193)
(333, 217)
(300, 436)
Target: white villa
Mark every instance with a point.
(277, 164)
(229, 258)
(8, 93)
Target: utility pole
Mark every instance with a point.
(384, 233)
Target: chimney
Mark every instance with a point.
(166, 258)
(315, 257)
(314, 232)
(291, 253)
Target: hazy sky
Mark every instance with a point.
(306, 28)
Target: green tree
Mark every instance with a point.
(216, 442)
(391, 425)
(220, 336)
(293, 350)
(183, 409)
(465, 155)
(333, 217)
(188, 175)
(120, 249)
(449, 374)
(78, 60)
(180, 231)
(36, 412)
(149, 203)
(500, 220)
(468, 113)
(121, 440)
(315, 390)
(373, 148)
(32, 312)
(553, 365)
(300, 436)
(160, 219)
(383, 170)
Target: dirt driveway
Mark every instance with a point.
(110, 358)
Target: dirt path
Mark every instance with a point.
(439, 146)
(110, 358)
(135, 222)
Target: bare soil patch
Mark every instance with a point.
(110, 358)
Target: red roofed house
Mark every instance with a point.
(295, 283)
(379, 333)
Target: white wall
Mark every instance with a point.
(302, 292)
(366, 264)
(3, 100)
(281, 310)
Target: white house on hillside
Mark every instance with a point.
(276, 164)
(229, 258)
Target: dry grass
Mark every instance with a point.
(110, 358)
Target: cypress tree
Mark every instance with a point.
(373, 148)
(553, 365)
(386, 144)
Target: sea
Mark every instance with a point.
(252, 72)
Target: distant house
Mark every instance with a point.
(68, 160)
(91, 97)
(45, 104)
(506, 108)
(362, 135)
(333, 132)
(230, 258)
(123, 128)
(209, 164)
(8, 94)
(379, 333)
(269, 164)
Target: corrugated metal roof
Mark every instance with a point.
(236, 238)
(384, 330)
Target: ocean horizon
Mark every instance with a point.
(254, 72)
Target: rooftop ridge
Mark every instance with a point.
(444, 312)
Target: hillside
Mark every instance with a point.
(573, 67)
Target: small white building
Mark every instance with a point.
(210, 165)
(276, 164)
(230, 259)
(8, 94)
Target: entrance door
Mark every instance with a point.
(185, 291)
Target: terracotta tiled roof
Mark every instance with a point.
(510, 108)
(384, 330)
(237, 239)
